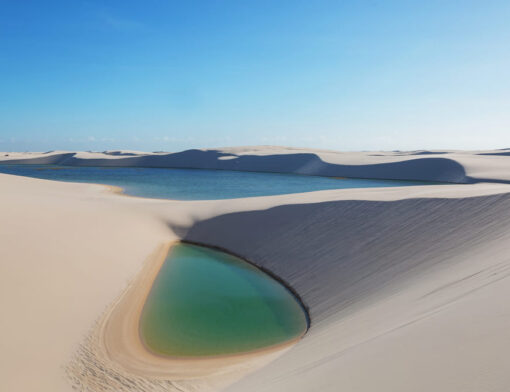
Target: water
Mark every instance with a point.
(192, 184)
(205, 302)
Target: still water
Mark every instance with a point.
(195, 184)
(205, 302)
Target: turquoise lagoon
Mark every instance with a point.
(205, 302)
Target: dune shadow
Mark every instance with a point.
(502, 154)
(336, 254)
(421, 169)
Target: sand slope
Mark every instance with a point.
(405, 295)
(407, 287)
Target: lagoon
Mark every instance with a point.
(205, 302)
(195, 184)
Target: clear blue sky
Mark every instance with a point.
(170, 75)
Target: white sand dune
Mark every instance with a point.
(446, 166)
(407, 287)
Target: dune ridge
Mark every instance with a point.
(433, 255)
(443, 166)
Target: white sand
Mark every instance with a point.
(407, 287)
(449, 166)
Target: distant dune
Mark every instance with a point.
(445, 166)
(407, 287)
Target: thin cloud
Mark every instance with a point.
(120, 24)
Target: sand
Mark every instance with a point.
(407, 287)
(444, 166)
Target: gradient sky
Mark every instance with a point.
(170, 75)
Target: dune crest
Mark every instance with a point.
(443, 166)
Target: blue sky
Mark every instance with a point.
(170, 75)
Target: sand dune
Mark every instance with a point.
(407, 287)
(398, 291)
(444, 166)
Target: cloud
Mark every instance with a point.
(103, 12)
(120, 24)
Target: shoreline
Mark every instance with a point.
(266, 271)
(448, 166)
(333, 177)
(240, 355)
(130, 352)
(116, 189)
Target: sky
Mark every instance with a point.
(162, 75)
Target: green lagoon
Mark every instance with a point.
(206, 302)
